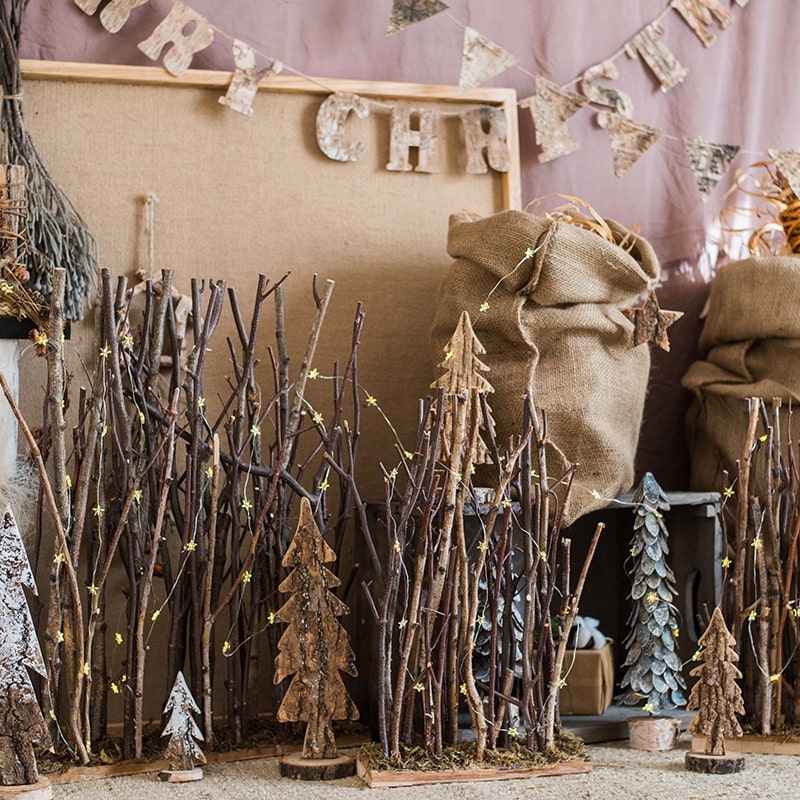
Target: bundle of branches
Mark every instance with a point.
(57, 235)
(439, 578)
(178, 512)
(761, 598)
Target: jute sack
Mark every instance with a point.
(751, 338)
(553, 329)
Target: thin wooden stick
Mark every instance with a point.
(72, 577)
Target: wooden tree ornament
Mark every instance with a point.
(315, 648)
(717, 698)
(182, 749)
(21, 721)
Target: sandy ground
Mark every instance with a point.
(619, 773)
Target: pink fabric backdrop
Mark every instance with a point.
(739, 91)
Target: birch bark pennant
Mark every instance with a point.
(661, 60)
(114, 16)
(485, 137)
(481, 60)
(244, 84)
(699, 15)
(709, 162)
(407, 12)
(605, 95)
(404, 137)
(788, 164)
(332, 122)
(184, 45)
(629, 140)
(550, 108)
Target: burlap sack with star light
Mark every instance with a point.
(545, 297)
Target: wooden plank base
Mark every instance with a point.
(714, 765)
(763, 745)
(317, 769)
(389, 778)
(181, 775)
(43, 790)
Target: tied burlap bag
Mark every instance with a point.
(554, 330)
(751, 338)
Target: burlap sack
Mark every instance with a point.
(554, 329)
(752, 340)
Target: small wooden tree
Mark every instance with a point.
(315, 648)
(21, 721)
(717, 698)
(182, 749)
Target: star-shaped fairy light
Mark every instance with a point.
(650, 323)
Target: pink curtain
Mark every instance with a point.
(738, 91)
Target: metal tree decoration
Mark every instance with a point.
(717, 698)
(21, 721)
(182, 749)
(652, 666)
(315, 648)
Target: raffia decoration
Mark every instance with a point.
(579, 213)
(774, 227)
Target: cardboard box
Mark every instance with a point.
(589, 679)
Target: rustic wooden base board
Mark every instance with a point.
(763, 745)
(43, 790)
(75, 774)
(714, 765)
(317, 769)
(387, 778)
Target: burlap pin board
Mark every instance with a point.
(553, 329)
(241, 195)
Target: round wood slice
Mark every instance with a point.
(295, 766)
(714, 765)
(653, 733)
(42, 790)
(181, 775)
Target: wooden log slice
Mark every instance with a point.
(181, 775)
(714, 765)
(295, 766)
(653, 733)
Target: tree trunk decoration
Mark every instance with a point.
(653, 668)
(716, 696)
(21, 721)
(314, 647)
(182, 748)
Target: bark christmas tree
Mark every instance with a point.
(717, 698)
(182, 749)
(21, 721)
(314, 647)
(653, 668)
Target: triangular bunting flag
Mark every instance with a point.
(481, 60)
(407, 12)
(550, 108)
(629, 140)
(709, 162)
(788, 164)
